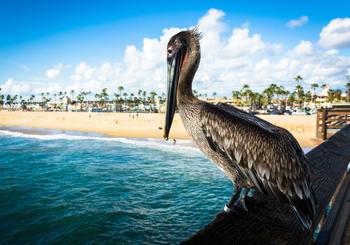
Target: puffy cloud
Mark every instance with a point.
(53, 73)
(14, 87)
(303, 48)
(231, 57)
(83, 71)
(298, 22)
(241, 44)
(336, 34)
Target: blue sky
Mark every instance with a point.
(36, 36)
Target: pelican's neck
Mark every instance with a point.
(188, 70)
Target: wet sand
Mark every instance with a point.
(145, 125)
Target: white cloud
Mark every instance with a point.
(298, 22)
(303, 48)
(14, 87)
(336, 34)
(231, 57)
(23, 67)
(53, 73)
(83, 71)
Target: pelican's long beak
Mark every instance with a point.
(174, 66)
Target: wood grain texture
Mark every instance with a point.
(270, 222)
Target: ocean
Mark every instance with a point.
(76, 188)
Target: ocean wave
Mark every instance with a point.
(181, 145)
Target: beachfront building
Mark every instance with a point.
(322, 97)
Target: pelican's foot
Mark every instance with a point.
(235, 209)
(240, 204)
(228, 210)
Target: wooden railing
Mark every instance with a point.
(271, 222)
(331, 118)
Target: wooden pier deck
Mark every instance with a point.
(336, 228)
(271, 222)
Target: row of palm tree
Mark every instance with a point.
(247, 97)
(122, 99)
(103, 99)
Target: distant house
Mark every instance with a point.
(322, 97)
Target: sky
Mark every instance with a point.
(52, 46)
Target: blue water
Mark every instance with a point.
(71, 189)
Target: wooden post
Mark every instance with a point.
(318, 118)
(324, 123)
(271, 222)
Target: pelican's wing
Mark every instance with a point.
(266, 155)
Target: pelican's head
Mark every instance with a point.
(179, 49)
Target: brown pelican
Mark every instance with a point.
(252, 152)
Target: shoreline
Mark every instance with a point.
(146, 125)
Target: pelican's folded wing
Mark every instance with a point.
(267, 156)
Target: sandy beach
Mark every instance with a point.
(145, 125)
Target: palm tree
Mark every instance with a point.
(298, 78)
(153, 96)
(144, 94)
(125, 94)
(300, 93)
(80, 99)
(60, 96)
(334, 95)
(22, 102)
(30, 100)
(120, 89)
(43, 98)
(281, 93)
(116, 96)
(348, 92)
(139, 93)
(2, 97)
(314, 86)
(291, 98)
(308, 96)
(244, 92)
(103, 97)
(235, 94)
(247, 93)
(214, 95)
(269, 92)
(8, 100)
(72, 94)
(131, 100)
(324, 86)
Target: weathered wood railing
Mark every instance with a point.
(270, 222)
(331, 118)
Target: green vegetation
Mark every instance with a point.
(121, 100)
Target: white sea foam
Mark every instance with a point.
(181, 145)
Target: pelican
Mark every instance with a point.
(252, 152)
